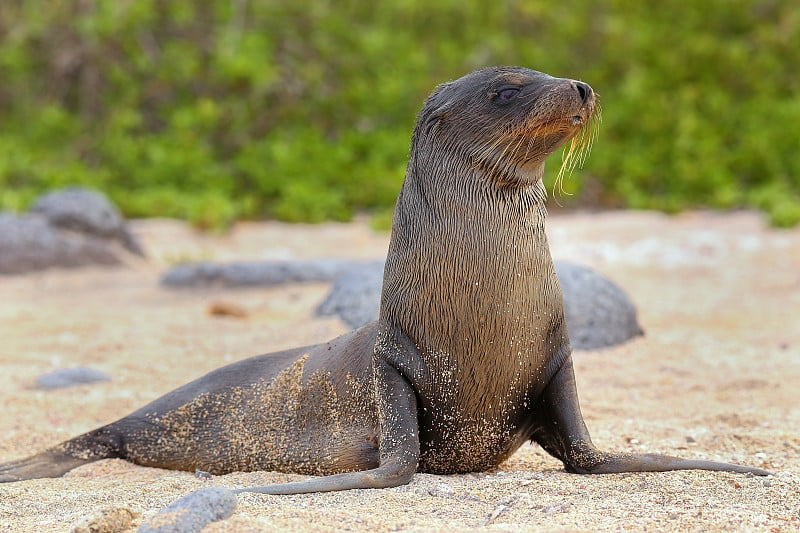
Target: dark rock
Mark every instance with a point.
(87, 212)
(355, 296)
(252, 274)
(597, 311)
(64, 229)
(28, 243)
(69, 377)
(192, 512)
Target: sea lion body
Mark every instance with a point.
(308, 410)
(469, 359)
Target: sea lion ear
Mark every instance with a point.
(444, 109)
(437, 106)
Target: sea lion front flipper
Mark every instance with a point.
(561, 431)
(399, 442)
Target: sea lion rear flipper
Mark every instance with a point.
(399, 442)
(561, 431)
(100, 443)
(49, 463)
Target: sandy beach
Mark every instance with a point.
(717, 376)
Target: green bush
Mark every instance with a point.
(220, 110)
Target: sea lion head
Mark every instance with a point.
(505, 121)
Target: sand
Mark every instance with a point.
(717, 376)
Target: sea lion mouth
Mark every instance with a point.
(565, 125)
(514, 157)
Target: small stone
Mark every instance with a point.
(192, 512)
(442, 490)
(200, 474)
(230, 309)
(555, 509)
(70, 377)
(109, 520)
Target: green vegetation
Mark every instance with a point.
(226, 109)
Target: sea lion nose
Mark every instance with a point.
(584, 90)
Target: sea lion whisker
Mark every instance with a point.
(575, 154)
(589, 134)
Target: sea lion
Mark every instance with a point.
(470, 356)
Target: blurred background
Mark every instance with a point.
(223, 110)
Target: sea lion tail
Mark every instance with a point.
(60, 459)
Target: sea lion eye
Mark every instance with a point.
(507, 93)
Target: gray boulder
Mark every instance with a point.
(64, 229)
(597, 311)
(28, 243)
(355, 297)
(86, 212)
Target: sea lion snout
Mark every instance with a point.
(584, 97)
(580, 97)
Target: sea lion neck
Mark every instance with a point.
(470, 246)
(445, 188)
